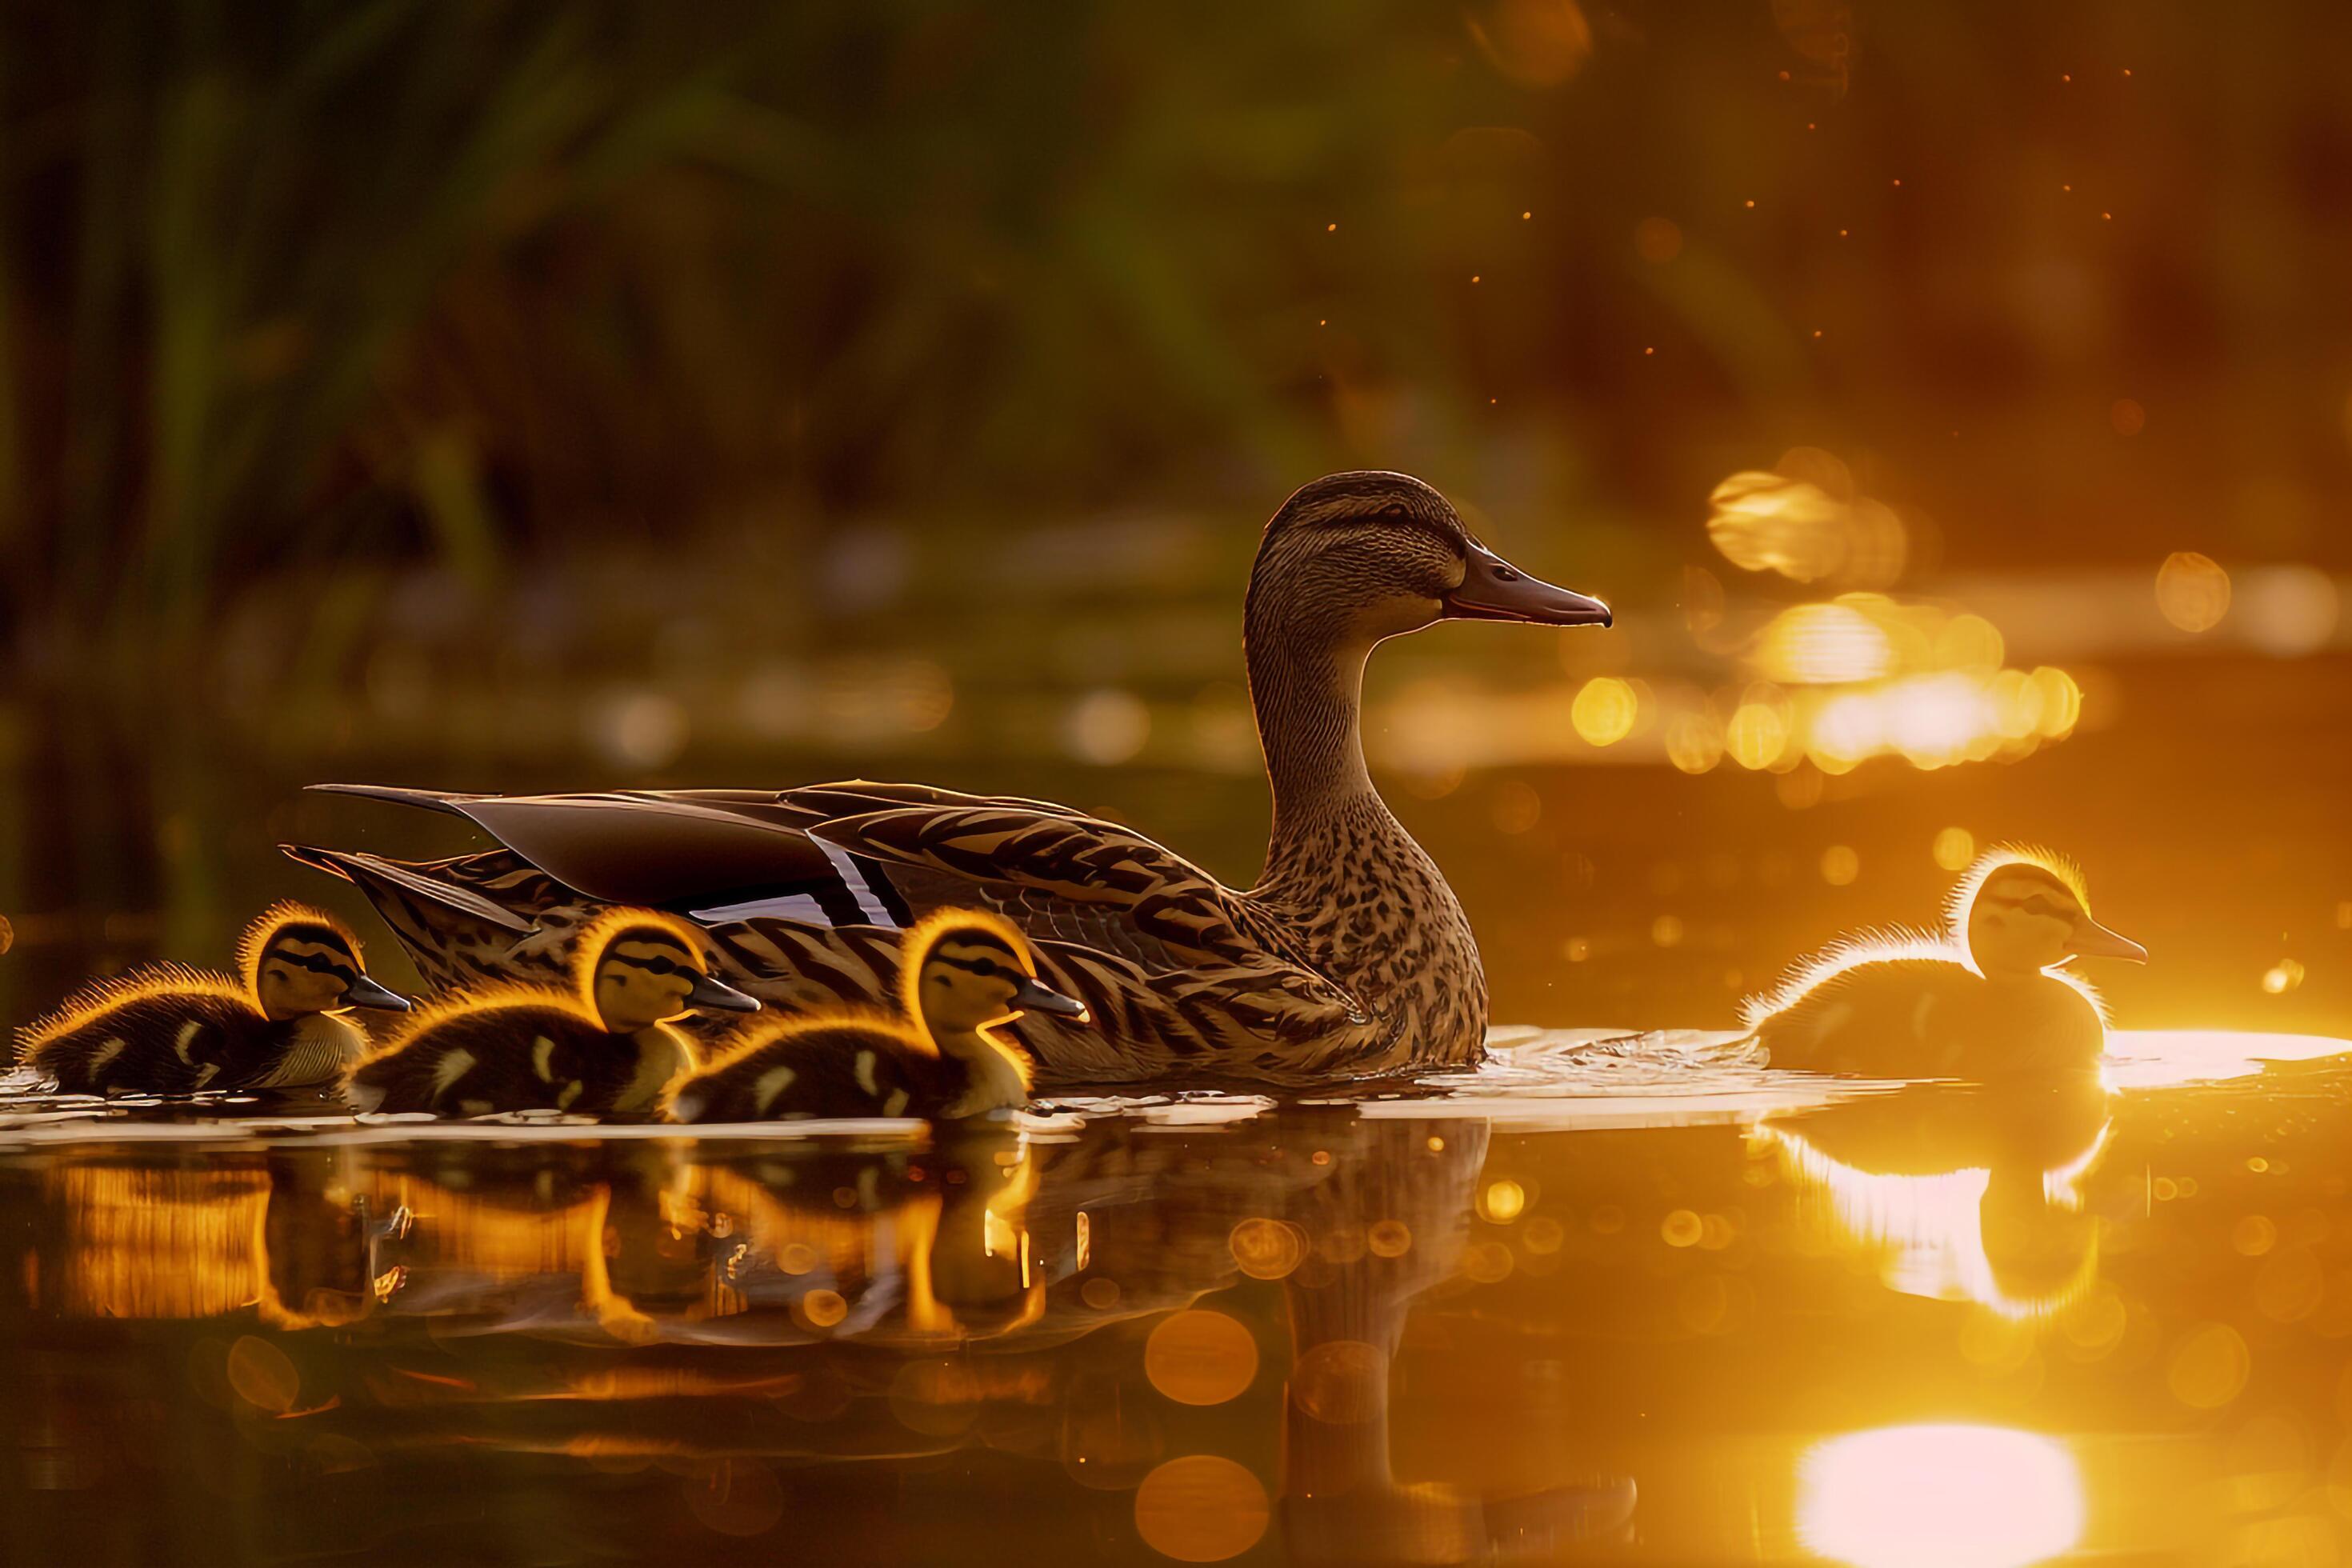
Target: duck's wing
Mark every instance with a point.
(817, 882)
(1901, 1015)
(851, 853)
(1060, 876)
(1155, 946)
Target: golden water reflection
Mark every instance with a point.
(1940, 1496)
(1719, 1328)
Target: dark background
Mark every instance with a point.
(506, 396)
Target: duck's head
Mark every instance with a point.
(968, 970)
(295, 961)
(1363, 557)
(2021, 911)
(637, 968)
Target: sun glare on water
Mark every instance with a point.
(1939, 1496)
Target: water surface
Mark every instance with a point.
(1669, 1308)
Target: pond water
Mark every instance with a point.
(1664, 1307)
(1660, 1307)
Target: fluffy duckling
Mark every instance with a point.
(1984, 999)
(166, 1029)
(966, 973)
(606, 1047)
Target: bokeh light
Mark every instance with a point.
(1605, 710)
(1804, 521)
(1823, 645)
(1202, 1507)
(1955, 849)
(2193, 590)
(1939, 1496)
(1200, 1357)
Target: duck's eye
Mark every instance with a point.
(662, 965)
(1394, 511)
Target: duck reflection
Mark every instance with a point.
(1082, 1302)
(1975, 1192)
(1389, 1225)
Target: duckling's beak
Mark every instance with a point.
(1494, 590)
(366, 993)
(717, 995)
(1032, 997)
(2093, 939)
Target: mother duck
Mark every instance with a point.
(1350, 955)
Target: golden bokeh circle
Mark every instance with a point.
(263, 1375)
(735, 1497)
(2192, 590)
(2207, 1367)
(1266, 1248)
(1201, 1357)
(1201, 1509)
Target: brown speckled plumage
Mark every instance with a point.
(1352, 956)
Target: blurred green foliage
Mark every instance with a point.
(321, 283)
(290, 283)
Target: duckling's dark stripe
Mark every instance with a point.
(316, 962)
(658, 965)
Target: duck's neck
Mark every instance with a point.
(1307, 686)
(663, 1053)
(995, 1077)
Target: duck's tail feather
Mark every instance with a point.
(358, 867)
(430, 799)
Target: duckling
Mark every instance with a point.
(605, 1047)
(1985, 998)
(168, 1029)
(966, 973)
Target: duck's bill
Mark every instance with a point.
(1494, 590)
(2093, 939)
(366, 993)
(718, 996)
(1032, 997)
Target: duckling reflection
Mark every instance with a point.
(607, 1046)
(966, 975)
(891, 1246)
(280, 1023)
(1985, 999)
(1976, 1193)
(129, 1236)
(554, 1292)
(545, 1235)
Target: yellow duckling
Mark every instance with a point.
(966, 974)
(166, 1029)
(1985, 998)
(606, 1047)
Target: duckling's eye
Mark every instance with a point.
(986, 967)
(662, 965)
